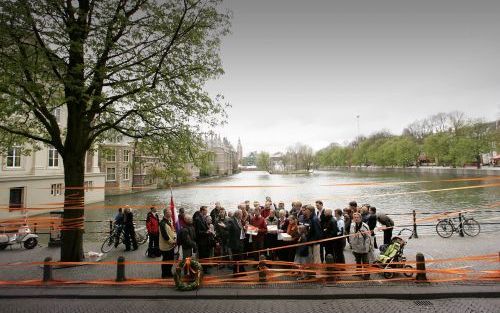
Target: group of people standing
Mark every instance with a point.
(253, 230)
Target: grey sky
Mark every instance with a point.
(302, 70)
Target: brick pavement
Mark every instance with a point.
(244, 306)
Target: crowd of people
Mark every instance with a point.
(254, 229)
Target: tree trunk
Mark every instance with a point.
(74, 200)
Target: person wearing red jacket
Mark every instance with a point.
(152, 225)
(260, 223)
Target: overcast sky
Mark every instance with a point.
(302, 70)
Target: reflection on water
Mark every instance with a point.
(335, 188)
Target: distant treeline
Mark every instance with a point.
(444, 139)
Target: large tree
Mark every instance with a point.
(137, 67)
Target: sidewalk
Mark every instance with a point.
(413, 292)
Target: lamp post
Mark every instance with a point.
(357, 119)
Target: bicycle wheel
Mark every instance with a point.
(408, 267)
(108, 244)
(471, 227)
(141, 238)
(444, 228)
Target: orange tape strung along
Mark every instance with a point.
(482, 258)
(215, 282)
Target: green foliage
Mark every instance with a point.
(437, 147)
(204, 162)
(445, 139)
(136, 67)
(263, 161)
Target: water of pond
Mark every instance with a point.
(390, 192)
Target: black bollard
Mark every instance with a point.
(415, 234)
(47, 270)
(120, 269)
(262, 269)
(421, 275)
(460, 226)
(330, 269)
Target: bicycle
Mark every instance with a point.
(446, 227)
(141, 236)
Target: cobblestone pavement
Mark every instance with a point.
(237, 306)
(433, 247)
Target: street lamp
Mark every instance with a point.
(357, 118)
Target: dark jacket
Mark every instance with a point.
(315, 232)
(385, 220)
(214, 214)
(233, 235)
(372, 222)
(187, 237)
(329, 226)
(128, 219)
(201, 228)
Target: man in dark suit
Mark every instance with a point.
(201, 228)
(236, 237)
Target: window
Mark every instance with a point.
(110, 174)
(56, 189)
(126, 173)
(111, 155)
(53, 157)
(126, 154)
(16, 198)
(14, 157)
(57, 114)
(88, 185)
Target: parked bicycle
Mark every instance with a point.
(117, 236)
(446, 227)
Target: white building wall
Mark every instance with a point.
(36, 177)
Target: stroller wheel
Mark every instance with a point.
(408, 274)
(388, 275)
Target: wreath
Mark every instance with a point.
(192, 268)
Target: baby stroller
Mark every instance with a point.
(392, 255)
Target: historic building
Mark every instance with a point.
(34, 178)
(239, 152)
(224, 158)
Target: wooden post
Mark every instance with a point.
(262, 269)
(110, 227)
(120, 269)
(47, 270)
(329, 260)
(415, 234)
(421, 275)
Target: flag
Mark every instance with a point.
(172, 209)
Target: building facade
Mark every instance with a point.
(239, 152)
(36, 181)
(224, 157)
